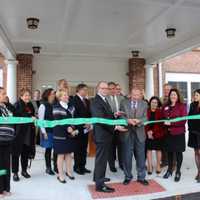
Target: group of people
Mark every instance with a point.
(67, 144)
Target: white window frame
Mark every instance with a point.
(183, 77)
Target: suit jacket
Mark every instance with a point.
(140, 113)
(112, 105)
(81, 110)
(99, 108)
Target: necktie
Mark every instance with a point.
(133, 107)
(115, 104)
(133, 104)
(84, 102)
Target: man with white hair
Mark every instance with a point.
(133, 141)
(103, 136)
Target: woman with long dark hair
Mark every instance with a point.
(155, 134)
(175, 132)
(194, 131)
(45, 112)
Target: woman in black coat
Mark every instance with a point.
(7, 134)
(194, 131)
(24, 143)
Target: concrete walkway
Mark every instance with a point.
(45, 187)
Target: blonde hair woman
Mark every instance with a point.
(64, 135)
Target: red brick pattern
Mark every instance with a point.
(134, 188)
(24, 71)
(136, 73)
(156, 80)
(4, 67)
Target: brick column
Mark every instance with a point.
(24, 71)
(136, 73)
(4, 68)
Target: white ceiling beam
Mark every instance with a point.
(182, 47)
(71, 9)
(187, 4)
(157, 17)
(6, 47)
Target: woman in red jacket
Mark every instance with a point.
(154, 134)
(175, 132)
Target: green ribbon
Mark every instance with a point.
(2, 172)
(78, 121)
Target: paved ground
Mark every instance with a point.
(44, 187)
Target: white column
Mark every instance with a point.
(12, 79)
(149, 82)
(160, 78)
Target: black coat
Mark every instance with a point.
(81, 110)
(194, 125)
(99, 108)
(25, 133)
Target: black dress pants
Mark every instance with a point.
(80, 155)
(115, 151)
(101, 160)
(24, 159)
(5, 154)
(48, 153)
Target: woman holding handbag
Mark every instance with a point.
(194, 131)
(45, 112)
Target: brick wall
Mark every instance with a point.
(24, 71)
(156, 80)
(185, 63)
(3, 66)
(136, 73)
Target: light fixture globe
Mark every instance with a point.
(36, 49)
(135, 53)
(32, 22)
(170, 32)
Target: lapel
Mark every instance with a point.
(80, 101)
(104, 104)
(138, 108)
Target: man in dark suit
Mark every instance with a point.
(133, 141)
(82, 110)
(103, 136)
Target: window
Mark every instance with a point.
(182, 87)
(194, 86)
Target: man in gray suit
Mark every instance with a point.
(133, 141)
(114, 101)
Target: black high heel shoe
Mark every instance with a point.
(158, 172)
(177, 177)
(149, 173)
(167, 174)
(61, 181)
(70, 177)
